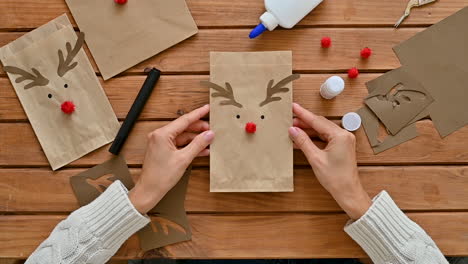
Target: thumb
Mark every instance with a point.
(199, 143)
(302, 141)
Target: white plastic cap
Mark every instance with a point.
(332, 87)
(351, 121)
(269, 21)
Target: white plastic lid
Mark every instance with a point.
(269, 20)
(351, 121)
(335, 85)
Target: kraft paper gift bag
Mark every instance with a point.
(251, 92)
(121, 36)
(59, 92)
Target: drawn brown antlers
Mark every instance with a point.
(278, 88)
(65, 64)
(227, 93)
(36, 79)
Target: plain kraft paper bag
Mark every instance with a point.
(121, 36)
(42, 84)
(251, 87)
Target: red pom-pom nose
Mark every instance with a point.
(366, 53)
(353, 73)
(68, 107)
(326, 42)
(120, 2)
(250, 128)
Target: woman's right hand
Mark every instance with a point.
(334, 166)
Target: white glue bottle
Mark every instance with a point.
(286, 13)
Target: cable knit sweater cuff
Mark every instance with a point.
(383, 230)
(112, 217)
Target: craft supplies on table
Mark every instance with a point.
(286, 13)
(409, 6)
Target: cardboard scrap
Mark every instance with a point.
(437, 57)
(48, 67)
(170, 224)
(397, 98)
(251, 87)
(121, 36)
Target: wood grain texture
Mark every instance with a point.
(246, 236)
(412, 188)
(181, 94)
(192, 55)
(18, 14)
(21, 148)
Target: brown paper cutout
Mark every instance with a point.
(397, 109)
(121, 36)
(66, 65)
(37, 80)
(63, 137)
(437, 58)
(227, 93)
(278, 88)
(370, 122)
(170, 224)
(259, 162)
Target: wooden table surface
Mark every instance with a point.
(427, 177)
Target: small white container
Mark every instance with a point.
(286, 13)
(351, 121)
(332, 87)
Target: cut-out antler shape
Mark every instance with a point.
(37, 80)
(278, 88)
(65, 64)
(227, 93)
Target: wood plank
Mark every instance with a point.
(181, 94)
(223, 13)
(413, 188)
(192, 55)
(21, 148)
(236, 236)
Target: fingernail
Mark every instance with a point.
(296, 104)
(293, 131)
(209, 135)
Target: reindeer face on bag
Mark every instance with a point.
(59, 91)
(52, 87)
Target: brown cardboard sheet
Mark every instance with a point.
(169, 224)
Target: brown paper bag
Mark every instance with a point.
(121, 36)
(251, 87)
(48, 67)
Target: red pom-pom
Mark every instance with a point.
(120, 2)
(353, 73)
(366, 53)
(250, 128)
(326, 42)
(68, 107)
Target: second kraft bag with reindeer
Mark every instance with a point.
(59, 91)
(251, 111)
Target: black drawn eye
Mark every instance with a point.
(262, 117)
(66, 86)
(49, 95)
(237, 116)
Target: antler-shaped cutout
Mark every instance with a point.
(278, 88)
(37, 79)
(227, 93)
(65, 64)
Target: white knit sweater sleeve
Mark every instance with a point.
(388, 236)
(93, 233)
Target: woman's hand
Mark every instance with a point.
(164, 163)
(335, 166)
